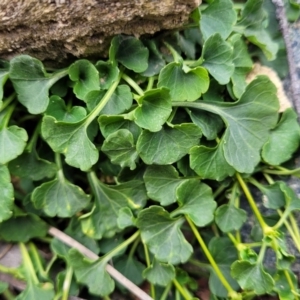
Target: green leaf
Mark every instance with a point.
(210, 124)
(248, 121)
(120, 148)
(110, 124)
(120, 101)
(39, 291)
(224, 259)
(57, 109)
(131, 268)
(161, 183)
(283, 284)
(284, 139)
(72, 140)
(108, 73)
(12, 143)
(168, 145)
(59, 197)
(217, 58)
(23, 228)
(3, 286)
(130, 52)
(86, 78)
(252, 277)
(93, 274)
(7, 194)
(218, 17)
(196, 201)
(155, 60)
(159, 273)
(32, 83)
(185, 84)
(125, 218)
(154, 109)
(291, 199)
(30, 165)
(252, 24)
(210, 163)
(3, 78)
(163, 236)
(103, 219)
(242, 62)
(229, 218)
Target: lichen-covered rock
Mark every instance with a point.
(56, 30)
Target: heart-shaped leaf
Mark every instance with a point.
(163, 236)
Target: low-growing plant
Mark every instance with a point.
(145, 158)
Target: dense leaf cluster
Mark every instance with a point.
(153, 146)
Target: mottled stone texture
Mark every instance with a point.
(56, 30)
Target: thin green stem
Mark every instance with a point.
(134, 246)
(282, 171)
(8, 101)
(294, 226)
(37, 261)
(209, 257)
(28, 266)
(166, 292)
(150, 83)
(291, 232)
(60, 173)
(152, 288)
(133, 84)
(67, 284)
(181, 290)
(282, 220)
(262, 253)
(291, 284)
(199, 264)
(172, 115)
(219, 190)
(11, 271)
(177, 58)
(266, 229)
(9, 111)
(34, 137)
(233, 239)
(120, 247)
(95, 112)
(50, 264)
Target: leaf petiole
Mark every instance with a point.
(8, 101)
(67, 284)
(28, 266)
(133, 84)
(210, 258)
(37, 261)
(182, 291)
(148, 265)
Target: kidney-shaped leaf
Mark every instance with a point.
(72, 140)
(161, 183)
(93, 274)
(163, 236)
(12, 143)
(86, 78)
(196, 201)
(130, 52)
(32, 83)
(59, 198)
(167, 145)
(218, 17)
(154, 109)
(252, 277)
(185, 84)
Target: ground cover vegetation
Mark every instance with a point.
(144, 159)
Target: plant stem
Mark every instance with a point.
(266, 229)
(9, 111)
(133, 84)
(32, 142)
(8, 295)
(181, 290)
(28, 266)
(262, 253)
(290, 282)
(11, 271)
(95, 112)
(50, 264)
(294, 226)
(67, 284)
(37, 261)
(152, 288)
(166, 291)
(134, 246)
(150, 83)
(7, 101)
(120, 247)
(209, 257)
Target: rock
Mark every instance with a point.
(58, 30)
